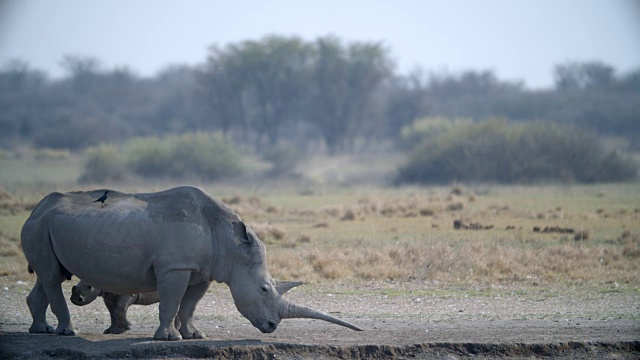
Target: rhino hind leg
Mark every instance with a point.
(60, 309)
(38, 303)
(171, 289)
(48, 291)
(187, 307)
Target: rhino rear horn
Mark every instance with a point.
(296, 311)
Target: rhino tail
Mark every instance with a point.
(66, 273)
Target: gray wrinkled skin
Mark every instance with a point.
(175, 242)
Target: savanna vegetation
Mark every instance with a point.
(349, 171)
(281, 98)
(496, 150)
(534, 235)
(192, 155)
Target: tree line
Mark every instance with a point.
(328, 92)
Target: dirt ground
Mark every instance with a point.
(401, 320)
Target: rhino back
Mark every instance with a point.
(120, 246)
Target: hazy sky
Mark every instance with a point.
(519, 40)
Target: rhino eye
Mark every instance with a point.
(89, 287)
(265, 289)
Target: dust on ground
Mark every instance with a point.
(401, 320)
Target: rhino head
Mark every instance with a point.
(83, 293)
(257, 295)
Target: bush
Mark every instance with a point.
(195, 155)
(45, 154)
(496, 151)
(103, 163)
(283, 158)
(425, 129)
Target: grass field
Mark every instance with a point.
(587, 234)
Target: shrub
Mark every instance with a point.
(44, 154)
(201, 155)
(426, 129)
(283, 158)
(204, 155)
(103, 163)
(496, 151)
(149, 156)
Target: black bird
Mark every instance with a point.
(103, 197)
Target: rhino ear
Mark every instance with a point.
(240, 230)
(284, 286)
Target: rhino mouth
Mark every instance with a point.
(266, 327)
(78, 301)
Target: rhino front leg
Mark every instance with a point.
(38, 303)
(187, 307)
(171, 288)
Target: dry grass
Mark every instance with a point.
(465, 263)
(12, 205)
(407, 234)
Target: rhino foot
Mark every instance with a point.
(41, 329)
(167, 334)
(66, 331)
(195, 334)
(115, 330)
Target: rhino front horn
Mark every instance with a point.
(296, 311)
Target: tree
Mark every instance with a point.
(222, 88)
(22, 95)
(82, 71)
(407, 101)
(580, 76)
(343, 79)
(176, 109)
(273, 73)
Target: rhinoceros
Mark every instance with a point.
(175, 242)
(84, 294)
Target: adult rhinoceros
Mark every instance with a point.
(175, 242)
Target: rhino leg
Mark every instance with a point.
(187, 307)
(171, 288)
(59, 308)
(38, 303)
(122, 306)
(50, 275)
(117, 306)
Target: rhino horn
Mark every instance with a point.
(296, 311)
(284, 286)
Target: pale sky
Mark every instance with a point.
(519, 40)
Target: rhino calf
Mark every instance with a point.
(83, 294)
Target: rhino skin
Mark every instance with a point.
(175, 242)
(84, 294)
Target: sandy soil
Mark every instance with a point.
(408, 320)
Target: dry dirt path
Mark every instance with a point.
(401, 321)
